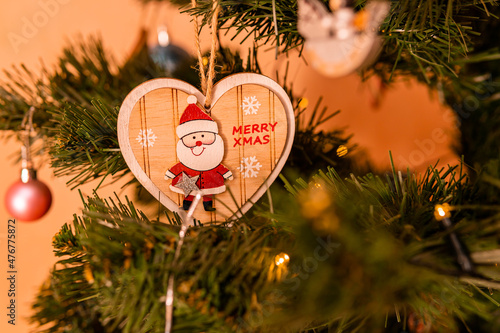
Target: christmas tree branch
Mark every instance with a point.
(418, 36)
(115, 253)
(124, 253)
(85, 72)
(86, 143)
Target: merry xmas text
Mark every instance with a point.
(251, 129)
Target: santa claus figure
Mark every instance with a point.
(200, 150)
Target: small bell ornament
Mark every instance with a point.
(28, 199)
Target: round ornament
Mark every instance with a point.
(167, 56)
(28, 199)
(230, 154)
(342, 41)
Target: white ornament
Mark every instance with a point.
(250, 105)
(146, 138)
(340, 42)
(249, 167)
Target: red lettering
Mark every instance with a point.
(236, 130)
(252, 128)
(273, 126)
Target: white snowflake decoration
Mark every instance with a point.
(250, 105)
(249, 167)
(146, 138)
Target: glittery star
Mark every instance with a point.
(187, 184)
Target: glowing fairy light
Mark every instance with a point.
(304, 102)
(342, 151)
(442, 214)
(281, 259)
(442, 211)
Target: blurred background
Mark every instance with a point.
(405, 117)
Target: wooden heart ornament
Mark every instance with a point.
(230, 155)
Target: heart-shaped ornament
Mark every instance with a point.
(230, 155)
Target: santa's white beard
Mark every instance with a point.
(210, 158)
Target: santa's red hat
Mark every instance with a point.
(193, 120)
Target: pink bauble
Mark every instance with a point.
(28, 201)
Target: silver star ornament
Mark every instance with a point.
(187, 184)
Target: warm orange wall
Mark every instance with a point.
(404, 121)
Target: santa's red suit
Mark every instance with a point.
(209, 182)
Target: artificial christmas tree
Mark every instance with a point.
(360, 253)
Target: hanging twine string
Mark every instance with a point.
(207, 79)
(196, 26)
(213, 53)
